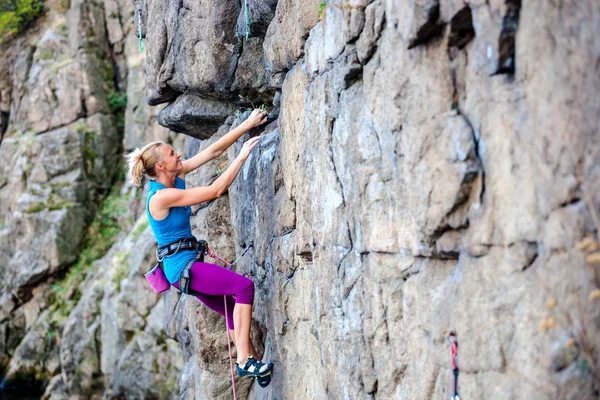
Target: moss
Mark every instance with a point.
(106, 70)
(322, 7)
(45, 54)
(63, 5)
(62, 29)
(117, 102)
(9, 24)
(89, 153)
(141, 227)
(59, 185)
(56, 202)
(35, 207)
(60, 63)
(121, 267)
(167, 387)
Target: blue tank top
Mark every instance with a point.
(176, 226)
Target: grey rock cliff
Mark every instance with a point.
(422, 178)
(433, 167)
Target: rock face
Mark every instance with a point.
(58, 150)
(434, 167)
(71, 326)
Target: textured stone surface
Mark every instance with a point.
(194, 116)
(432, 169)
(53, 182)
(183, 35)
(198, 63)
(284, 41)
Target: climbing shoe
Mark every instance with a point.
(264, 380)
(254, 368)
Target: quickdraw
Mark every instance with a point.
(228, 265)
(454, 346)
(141, 42)
(247, 19)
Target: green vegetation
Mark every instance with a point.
(89, 154)
(54, 201)
(322, 9)
(17, 15)
(59, 185)
(140, 228)
(63, 5)
(62, 29)
(117, 102)
(100, 236)
(45, 54)
(121, 267)
(35, 207)
(263, 106)
(61, 62)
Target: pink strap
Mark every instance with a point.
(229, 347)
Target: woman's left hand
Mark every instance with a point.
(248, 146)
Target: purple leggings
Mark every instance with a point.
(210, 282)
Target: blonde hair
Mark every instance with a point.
(143, 161)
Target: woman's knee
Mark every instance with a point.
(245, 293)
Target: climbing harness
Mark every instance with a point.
(247, 19)
(156, 276)
(185, 278)
(454, 346)
(171, 249)
(141, 42)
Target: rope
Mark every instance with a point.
(229, 348)
(247, 19)
(454, 346)
(141, 42)
(212, 254)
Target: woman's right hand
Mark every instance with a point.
(258, 117)
(248, 146)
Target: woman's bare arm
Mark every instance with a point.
(167, 198)
(213, 151)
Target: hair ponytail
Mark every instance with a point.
(136, 167)
(142, 161)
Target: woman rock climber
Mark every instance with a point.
(168, 210)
